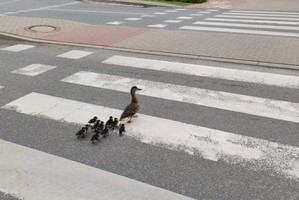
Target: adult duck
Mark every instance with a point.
(133, 107)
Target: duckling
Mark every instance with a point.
(114, 123)
(96, 136)
(133, 107)
(105, 132)
(93, 120)
(81, 133)
(96, 125)
(122, 129)
(101, 126)
(109, 122)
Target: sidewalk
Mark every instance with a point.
(236, 48)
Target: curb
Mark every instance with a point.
(160, 53)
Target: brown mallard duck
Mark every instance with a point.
(133, 107)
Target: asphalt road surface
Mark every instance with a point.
(265, 23)
(221, 135)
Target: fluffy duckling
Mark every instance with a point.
(93, 120)
(133, 107)
(81, 133)
(96, 136)
(101, 126)
(109, 122)
(105, 132)
(96, 125)
(114, 123)
(122, 129)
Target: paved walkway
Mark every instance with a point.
(251, 49)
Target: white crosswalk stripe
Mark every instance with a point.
(207, 71)
(33, 70)
(69, 179)
(18, 47)
(250, 22)
(75, 54)
(212, 144)
(228, 101)
(265, 12)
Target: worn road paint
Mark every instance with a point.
(75, 54)
(211, 144)
(275, 109)
(253, 21)
(230, 30)
(18, 47)
(29, 174)
(207, 71)
(266, 12)
(260, 14)
(33, 70)
(254, 17)
(292, 28)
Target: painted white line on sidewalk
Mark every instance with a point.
(252, 17)
(133, 19)
(260, 14)
(96, 11)
(244, 31)
(184, 17)
(114, 23)
(266, 12)
(173, 21)
(275, 109)
(253, 21)
(75, 54)
(33, 70)
(292, 28)
(157, 25)
(207, 71)
(17, 47)
(159, 13)
(211, 144)
(43, 8)
(29, 174)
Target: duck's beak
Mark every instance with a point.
(139, 89)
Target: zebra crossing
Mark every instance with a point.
(207, 143)
(250, 22)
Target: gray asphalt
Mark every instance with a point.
(102, 13)
(172, 170)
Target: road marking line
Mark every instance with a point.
(180, 9)
(157, 25)
(114, 23)
(17, 47)
(1, 87)
(252, 17)
(253, 21)
(212, 10)
(184, 17)
(75, 54)
(255, 14)
(270, 108)
(279, 80)
(269, 12)
(171, 11)
(42, 8)
(96, 11)
(160, 13)
(204, 12)
(173, 21)
(33, 70)
(148, 15)
(211, 144)
(244, 31)
(196, 14)
(30, 174)
(133, 19)
(247, 25)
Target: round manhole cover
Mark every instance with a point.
(43, 28)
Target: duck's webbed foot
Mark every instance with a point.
(135, 116)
